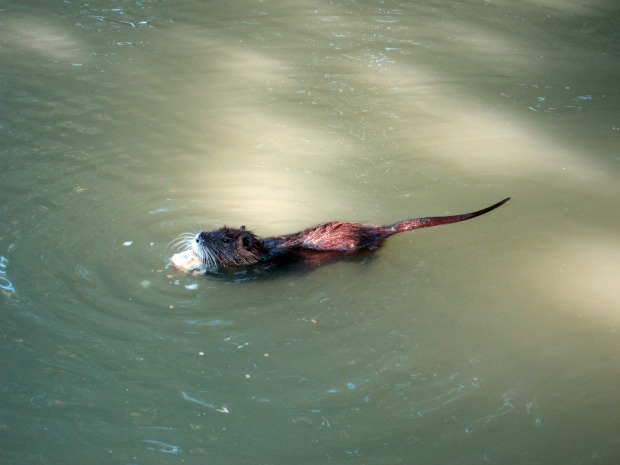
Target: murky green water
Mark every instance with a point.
(127, 123)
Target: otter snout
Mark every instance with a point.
(197, 243)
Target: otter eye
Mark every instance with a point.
(226, 240)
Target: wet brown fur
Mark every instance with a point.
(226, 248)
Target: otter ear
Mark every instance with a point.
(242, 227)
(248, 241)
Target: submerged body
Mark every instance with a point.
(231, 248)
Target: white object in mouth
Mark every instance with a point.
(188, 261)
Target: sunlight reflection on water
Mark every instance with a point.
(132, 125)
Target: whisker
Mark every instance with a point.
(207, 257)
(183, 242)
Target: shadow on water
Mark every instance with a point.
(279, 115)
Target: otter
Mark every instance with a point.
(233, 248)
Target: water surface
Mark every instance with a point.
(128, 123)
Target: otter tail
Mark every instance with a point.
(417, 223)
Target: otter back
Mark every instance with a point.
(232, 248)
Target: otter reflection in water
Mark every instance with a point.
(234, 248)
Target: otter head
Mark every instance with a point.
(227, 248)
